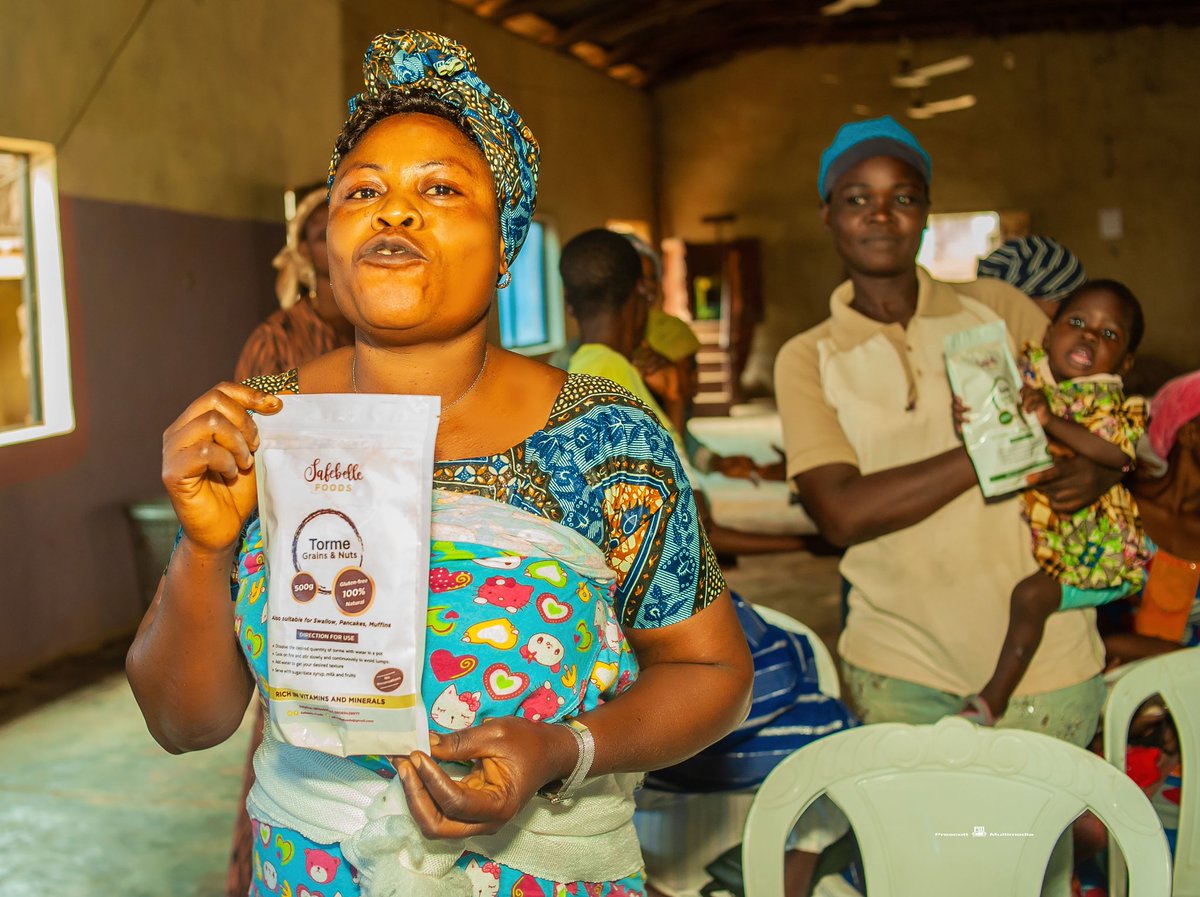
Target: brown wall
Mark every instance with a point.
(159, 303)
(210, 111)
(1079, 123)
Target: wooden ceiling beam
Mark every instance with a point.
(654, 41)
(672, 62)
(532, 26)
(618, 22)
(714, 28)
(502, 9)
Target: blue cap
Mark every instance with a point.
(860, 140)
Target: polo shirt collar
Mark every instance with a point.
(851, 328)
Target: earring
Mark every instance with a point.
(505, 280)
(306, 277)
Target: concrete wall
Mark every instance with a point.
(171, 183)
(1073, 124)
(171, 172)
(213, 106)
(154, 298)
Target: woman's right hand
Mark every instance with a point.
(208, 463)
(961, 413)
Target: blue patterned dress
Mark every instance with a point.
(602, 466)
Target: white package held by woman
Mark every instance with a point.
(1004, 443)
(344, 494)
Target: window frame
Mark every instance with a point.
(46, 289)
(930, 262)
(552, 298)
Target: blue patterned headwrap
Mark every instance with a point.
(421, 62)
(1037, 266)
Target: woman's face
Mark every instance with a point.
(413, 236)
(876, 213)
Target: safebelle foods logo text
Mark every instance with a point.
(332, 476)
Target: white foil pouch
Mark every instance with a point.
(344, 498)
(1005, 446)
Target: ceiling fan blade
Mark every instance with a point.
(945, 67)
(952, 104)
(909, 81)
(841, 7)
(920, 77)
(937, 107)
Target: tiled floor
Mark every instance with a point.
(91, 806)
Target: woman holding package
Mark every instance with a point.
(432, 192)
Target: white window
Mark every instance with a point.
(954, 242)
(35, 369)
(531, 307)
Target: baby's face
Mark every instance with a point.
(1089, 336)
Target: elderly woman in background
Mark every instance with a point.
(1167, 616)
(432, 192)
(1040, 267)
(308, 323)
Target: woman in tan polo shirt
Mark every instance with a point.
(873, 457)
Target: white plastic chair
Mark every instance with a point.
(680, 832)
(827, 675)
(952, 809)
(1175, 676)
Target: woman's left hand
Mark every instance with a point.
(740, 467)
(1033, 401)
(1074, 482)
(511, 759)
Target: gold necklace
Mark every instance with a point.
(462, 395)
